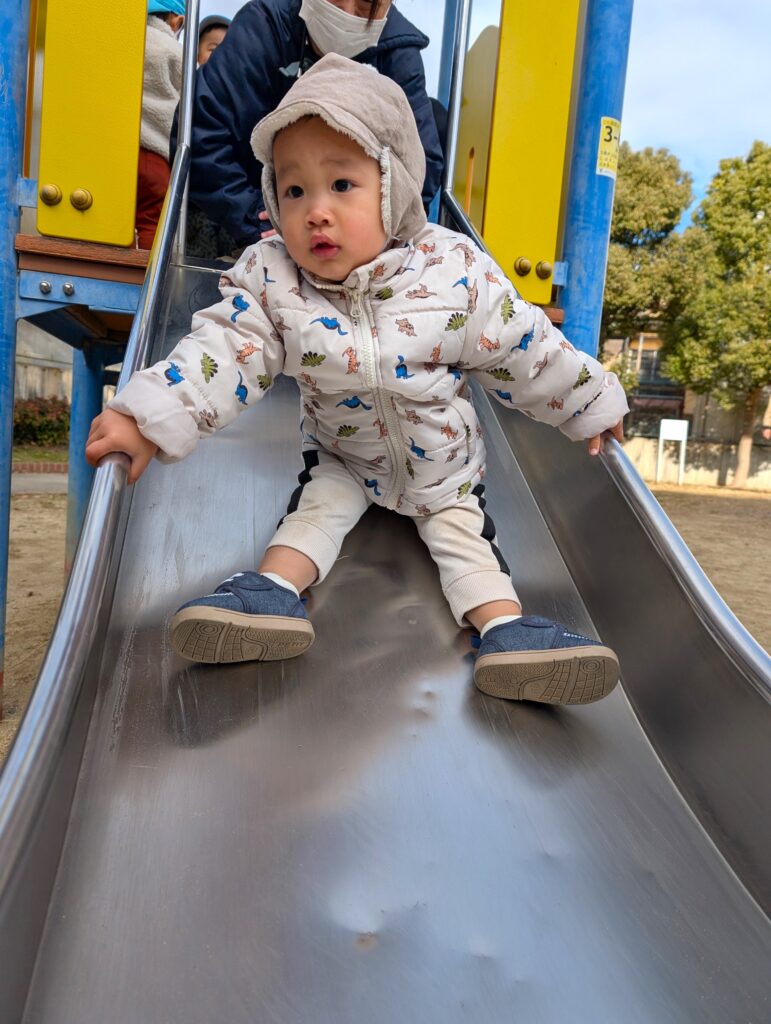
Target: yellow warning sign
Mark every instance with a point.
(607, 151)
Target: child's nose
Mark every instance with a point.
(319, 213)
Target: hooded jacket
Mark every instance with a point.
(246, 78)
(383, 358)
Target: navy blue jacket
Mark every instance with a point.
(244, 80)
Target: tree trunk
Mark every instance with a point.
(744, 452)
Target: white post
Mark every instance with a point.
(673, 430)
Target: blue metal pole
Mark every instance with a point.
(14, 29)
(87, 382)
(590, 195)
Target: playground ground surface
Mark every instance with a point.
(729, 532)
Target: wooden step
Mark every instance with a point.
(81, 259)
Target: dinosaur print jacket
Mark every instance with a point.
(382, 362)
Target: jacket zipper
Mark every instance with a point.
(382, 401)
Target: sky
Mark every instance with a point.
(698, 77)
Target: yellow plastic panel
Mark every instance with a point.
(92, 105)
(470, 178)
(531, 115)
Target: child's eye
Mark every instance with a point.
(294, 192)
(342, 185)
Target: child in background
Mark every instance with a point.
(160, 96)
(381, 318)
(211, 32)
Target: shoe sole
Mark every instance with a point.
(577, 675)
(216, 636)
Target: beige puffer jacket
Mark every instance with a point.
(382, 363)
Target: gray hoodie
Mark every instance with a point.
(373, 111)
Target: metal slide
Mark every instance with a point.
(358, 835)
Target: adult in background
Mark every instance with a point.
(206, 238)
(211, 32)
(268, 45)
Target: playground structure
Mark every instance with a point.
(357, 834)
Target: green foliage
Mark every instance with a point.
(347, 430)
(736, 212)
(717, 329)
(507, 309)
(720, 342)
(31, 453)
(41, 421)
(501, 373)
(264, 380)
(624, 368)
(384, 293)
(631, 291)
(583, 377)
(652, 191)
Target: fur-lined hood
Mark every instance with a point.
(369, 108)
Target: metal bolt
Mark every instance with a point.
(45, 287)
(68, 288)
(543, 269)
(81, 199)
(51, 194)
(522, 266)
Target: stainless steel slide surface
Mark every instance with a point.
(358, 835)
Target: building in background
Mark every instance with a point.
(43, 364)
(713, 433)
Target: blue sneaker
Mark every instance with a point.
(247, 618)
(537, 659)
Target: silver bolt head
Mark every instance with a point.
(68, 288)
(45, 287)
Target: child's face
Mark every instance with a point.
(329, 199)
(209, 42)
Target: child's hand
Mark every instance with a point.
(113, 432)
(271, 230)
(595, 443)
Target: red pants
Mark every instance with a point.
(152, 182)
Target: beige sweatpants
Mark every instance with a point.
(461, 539)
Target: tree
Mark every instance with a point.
(717, 324)
(652, 191)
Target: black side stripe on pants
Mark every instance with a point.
(311, 460)
(488, 528)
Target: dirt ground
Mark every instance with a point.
(729, 532)
(35, 585)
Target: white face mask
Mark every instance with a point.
(336, 31)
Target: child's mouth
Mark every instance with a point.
(324, 249)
